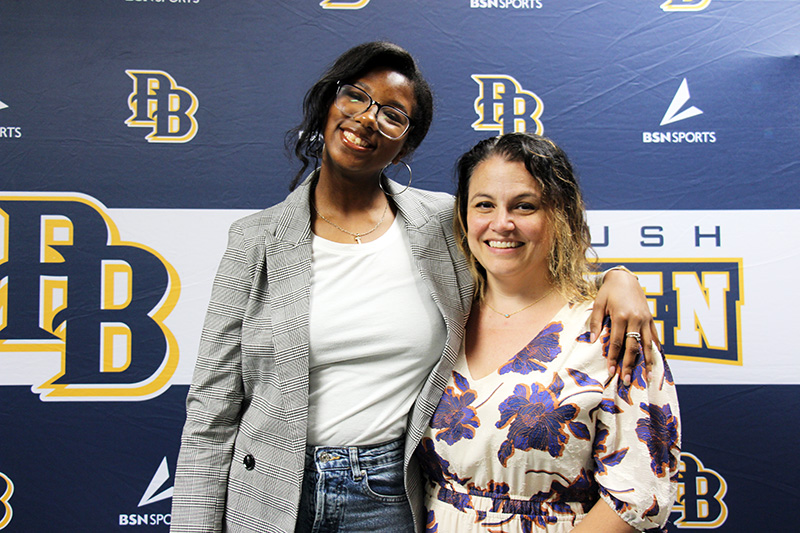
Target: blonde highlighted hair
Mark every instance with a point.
(568, 264)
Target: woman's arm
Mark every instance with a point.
(602, 519)
(214, 400)
(622, 299)
(636, 448)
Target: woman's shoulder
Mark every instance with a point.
(428, 204)
(579, 311)
(255, 223)
(574, 318)
(292, 211)
(434, 196)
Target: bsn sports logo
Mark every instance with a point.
(159, 103)
(696, 305)
(149, 497)
(170, 1)
(504, 106)
(70, 286)
(6, 491)
(505, 4)
(9, 132)
(352, 4)
(685, 5)
(676, 113)
(700, 495)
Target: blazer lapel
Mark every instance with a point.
(288, 260)
(429, 248)
(447, 278)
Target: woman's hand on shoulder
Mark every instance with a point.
(622, 299)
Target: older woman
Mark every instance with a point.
(531, 433)
(334, 313)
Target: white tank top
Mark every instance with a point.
(375, 333)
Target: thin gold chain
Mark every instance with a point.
(508, 315)
(356, 236)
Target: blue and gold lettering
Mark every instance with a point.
(685, 5)
(700, 495)
(158, 102)
(7, 492)
(351, 4)
(70, 285)
(696, 304)
(504, 106)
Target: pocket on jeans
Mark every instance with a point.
(385, 483)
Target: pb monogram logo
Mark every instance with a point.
(346, 4)
(504, 106)
(685, 5)
(157, 102)
(69, 285)
(700, 495)
(7, 492)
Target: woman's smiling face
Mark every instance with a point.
(353, 145)
(507, 230)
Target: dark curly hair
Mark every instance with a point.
(561, 201)
(306, 139)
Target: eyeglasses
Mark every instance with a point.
(351, 101)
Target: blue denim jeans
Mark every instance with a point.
(354, 489)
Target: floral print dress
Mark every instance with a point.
(533, 445)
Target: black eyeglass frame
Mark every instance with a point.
(341, 85)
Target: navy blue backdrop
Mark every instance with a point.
(132, 132)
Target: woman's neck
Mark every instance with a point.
(348, 211)
(343, 194)
(506, 296)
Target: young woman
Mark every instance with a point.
(531, 433)
(334, 322)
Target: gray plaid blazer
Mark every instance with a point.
(249, 395)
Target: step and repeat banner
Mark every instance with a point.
(133, 132)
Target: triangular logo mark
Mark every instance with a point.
(161, 475)
(3, 105)
(680, 98)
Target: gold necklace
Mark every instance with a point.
(508, 315)
(356, 236)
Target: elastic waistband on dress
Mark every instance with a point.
(500, 503)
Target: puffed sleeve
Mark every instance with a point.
(637, 446)
(214, 400)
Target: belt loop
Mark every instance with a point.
(354, 466)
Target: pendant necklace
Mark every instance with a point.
(509, 315)
(356, 236)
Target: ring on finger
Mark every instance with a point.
(634, 335)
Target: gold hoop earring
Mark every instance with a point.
(380, 181)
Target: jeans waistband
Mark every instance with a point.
(354, 458)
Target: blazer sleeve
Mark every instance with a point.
(215, 399)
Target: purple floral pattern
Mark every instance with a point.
(541, 350)
(659, 431)
(536, 420)
(455, 417)
(638, 380)
(430, 525)
(531, 447)
(603, 458)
